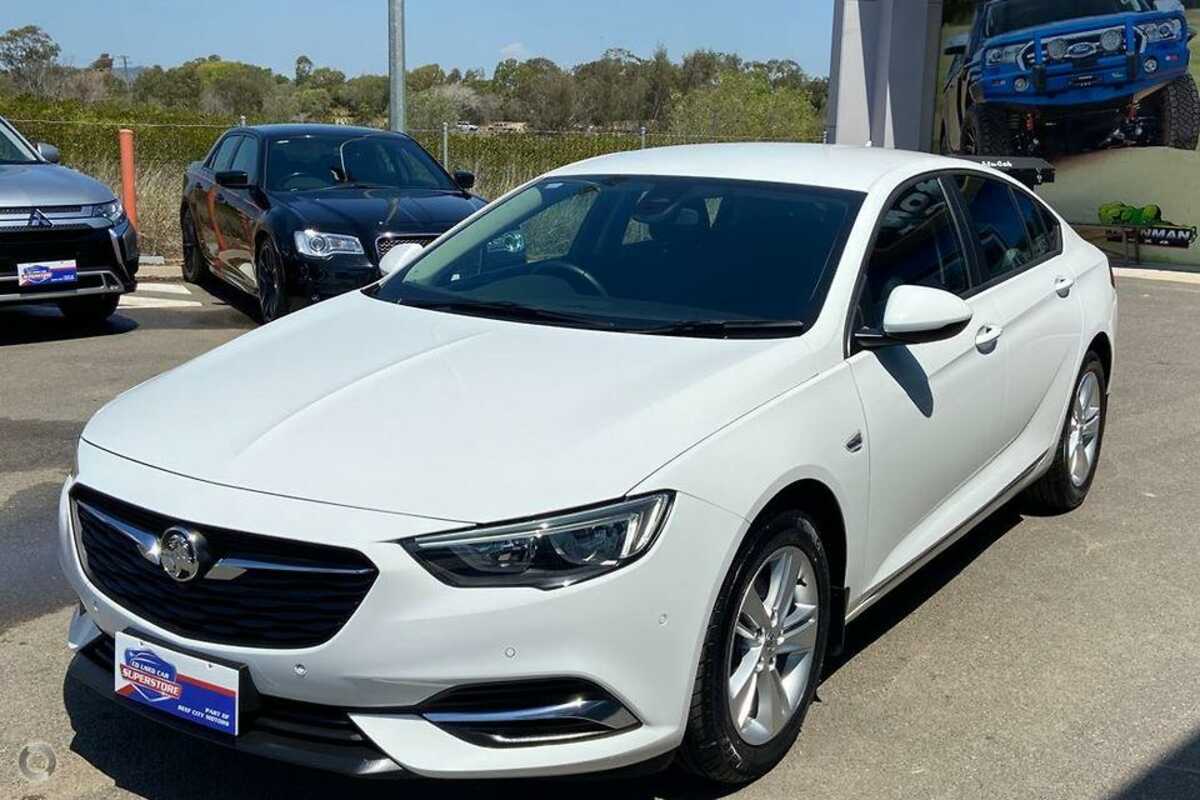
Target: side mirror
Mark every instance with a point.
(464, 179)
(48, 152)
(917, 315)
(399, 257)
(233, 179)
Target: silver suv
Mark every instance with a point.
(64, 237)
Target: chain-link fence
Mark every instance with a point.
(500, 159)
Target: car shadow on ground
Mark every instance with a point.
(134, 751)
(223, 294)
(1176, 776)
(34, 324)
(906, 598)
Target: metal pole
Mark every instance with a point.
(643, 132)
(397, 116)
(446, 145)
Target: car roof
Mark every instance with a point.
(303, 129)
(831, 166)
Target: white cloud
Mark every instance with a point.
(516, 50)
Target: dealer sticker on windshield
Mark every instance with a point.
(45, 273)
(194, 689)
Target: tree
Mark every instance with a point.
(424, 78)
(29, 56)
(366, 96)
(104, 63)
(304, 68)
(743, 104)
(331, 80)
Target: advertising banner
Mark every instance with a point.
(1106, 90)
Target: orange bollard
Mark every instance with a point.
(128, 175)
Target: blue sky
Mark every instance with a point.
(351, 35)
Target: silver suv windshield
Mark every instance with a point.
(647, 254)
(12, 149)
(1004, 16)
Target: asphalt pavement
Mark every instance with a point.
(1038, 658)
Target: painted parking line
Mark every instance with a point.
(1158, 275)
(141, 301)
(163, 288)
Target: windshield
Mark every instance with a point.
(684, 256)
(1013, 15)
(12, 149)
(309, 162)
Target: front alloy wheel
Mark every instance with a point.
(771, 655)
(762, 652)
(272, 283)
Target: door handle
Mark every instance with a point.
(1063, 285)
(987, 338)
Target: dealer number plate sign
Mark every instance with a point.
(201, 692)
(45, 273)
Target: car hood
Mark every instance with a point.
(365, 403)
(40, 185)
(354, 210)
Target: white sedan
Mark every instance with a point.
(597, 478)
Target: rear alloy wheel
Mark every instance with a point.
(1065, 486)
(195, 267)
(762, 653)
(272, 283)
(89, 310)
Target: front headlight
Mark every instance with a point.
(111, 211)
(323, 245)
(1166, 31)
(546, 553)
(1004, 55)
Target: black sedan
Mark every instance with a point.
(293, 214)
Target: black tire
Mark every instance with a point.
(712, 747)
(1056, 492)
(195, 265)
(90, 309)
(271, 277)
(1179, 110)
(986, 132)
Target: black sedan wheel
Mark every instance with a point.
(272, 283)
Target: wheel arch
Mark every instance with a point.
(818, 499)
(1101, 345)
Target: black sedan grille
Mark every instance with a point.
(302, 605)
(384, 244)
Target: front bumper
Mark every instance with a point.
(635, 633)
(107, 257)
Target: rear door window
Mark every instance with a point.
(1005, 244)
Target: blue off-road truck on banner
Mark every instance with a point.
(1046, 77)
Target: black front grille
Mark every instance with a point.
(263, 607)
(384, 244)
(89, 247)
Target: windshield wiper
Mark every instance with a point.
(730, 328)
(505, 309)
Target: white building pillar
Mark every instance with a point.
(884, 72)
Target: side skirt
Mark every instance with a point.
(898, 577)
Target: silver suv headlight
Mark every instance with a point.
(323, 245)
(1009, 54)
(111, 211)
(549, 552)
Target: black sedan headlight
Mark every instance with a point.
(549, 552)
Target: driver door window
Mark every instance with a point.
(918, 244)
